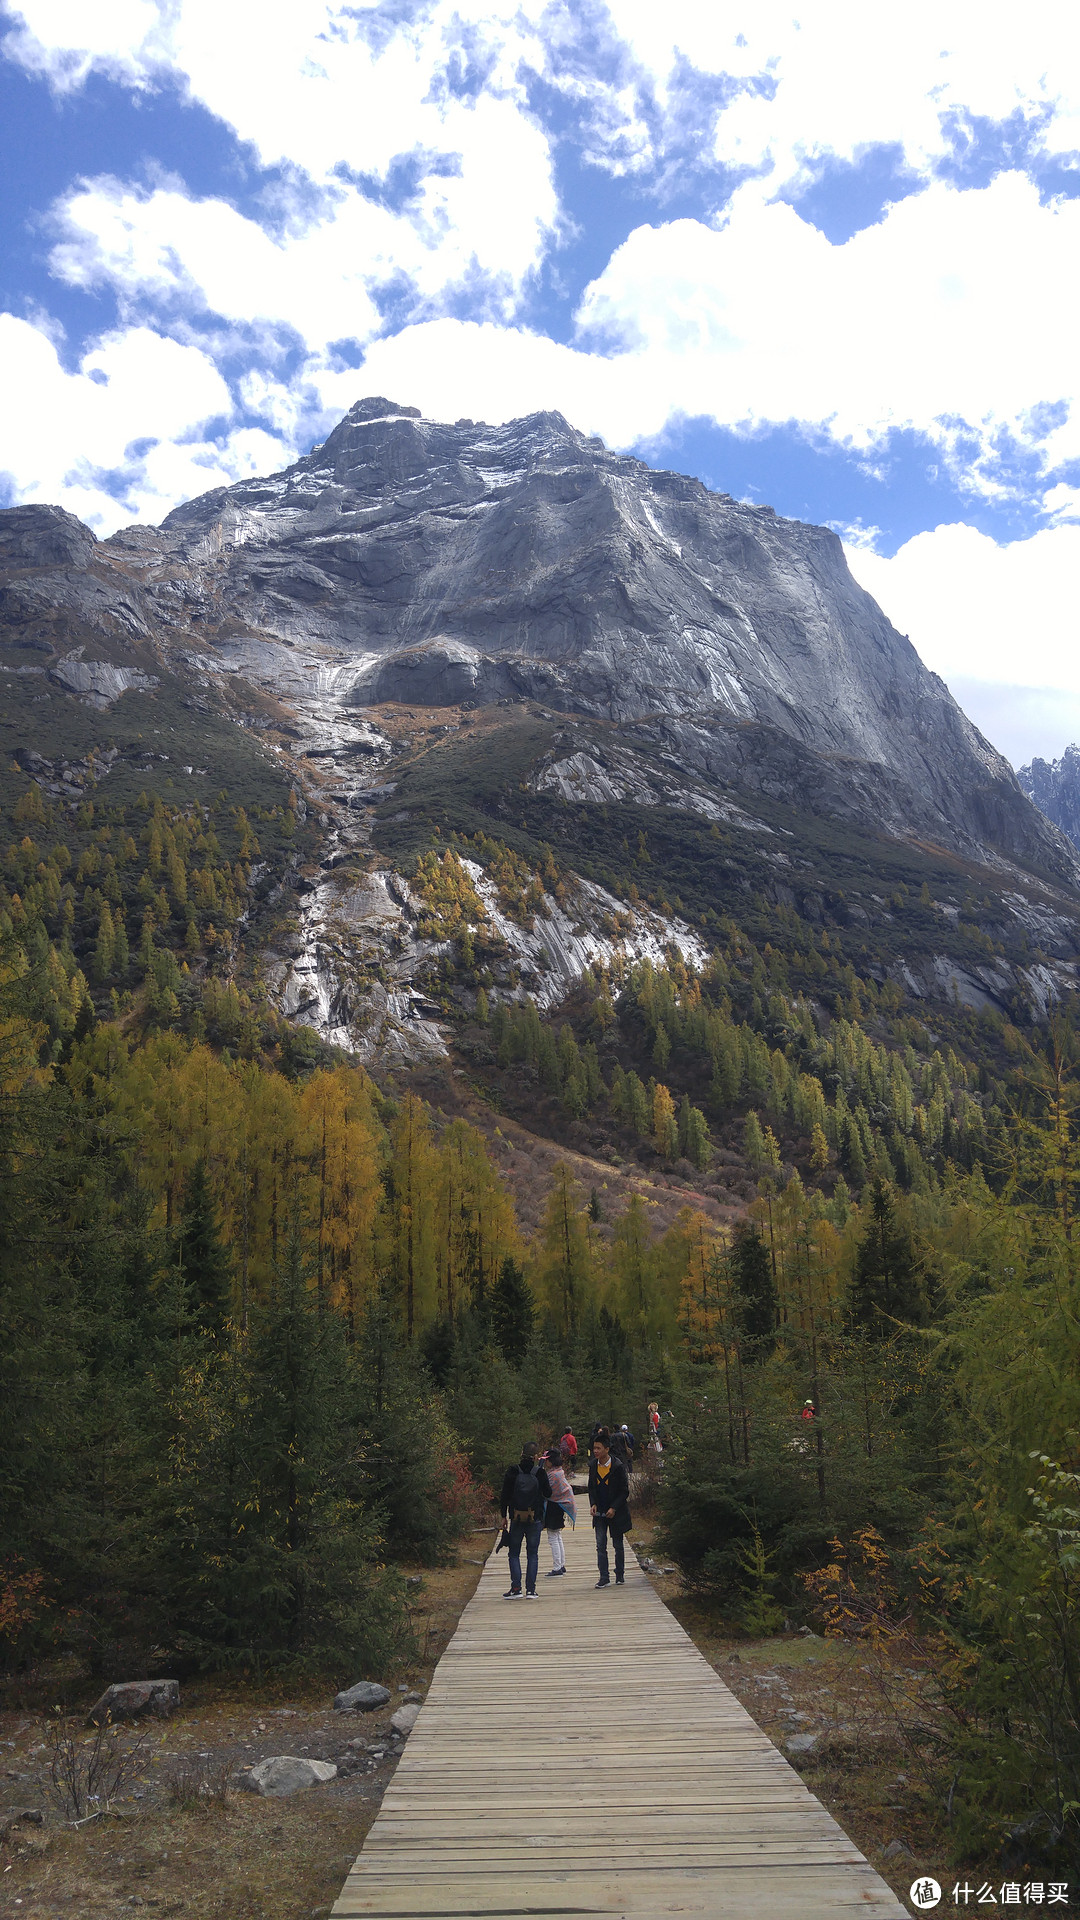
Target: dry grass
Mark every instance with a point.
(180, 1839)
(527, 1161)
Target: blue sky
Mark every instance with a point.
(826, 260)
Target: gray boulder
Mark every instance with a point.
(404, 1720)
(365, 1697)
(130, 1699)
(802, 1742)
(287, 1773)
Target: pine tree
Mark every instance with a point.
(664, 1128)
(637, 1107)
(202, 1261)
(405, 1446)
(752, 1278)
(693, 1134)
(105, 950)
(563, 1251)
(512, 1312)
(754, 1140)
(886, 1286)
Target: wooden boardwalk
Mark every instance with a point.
(579, 1756)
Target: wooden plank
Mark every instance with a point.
(579, 1756)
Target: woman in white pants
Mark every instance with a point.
(560, 1508)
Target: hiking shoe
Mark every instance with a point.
(603, 1583)
(532, 1596)
(554, 1572)
(619, 1581)
(512, 1593)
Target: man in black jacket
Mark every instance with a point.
(526, 1490)
(609, 1494)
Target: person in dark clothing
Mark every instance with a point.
(525, 1491)
(609, 1494)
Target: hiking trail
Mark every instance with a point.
(578, 1755)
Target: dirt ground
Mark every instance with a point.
(182, 1837)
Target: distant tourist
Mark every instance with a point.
(569, 1450)
(609, 1497)
(654, 1428)
(525, 1490)
(561, 1507)
(622, 1446)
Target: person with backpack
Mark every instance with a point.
(525, 1491)
(568, 1445)
(561, 1507)
(609, 1504)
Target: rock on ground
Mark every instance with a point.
(363, 1698)
(287, 1773)
(130, 1699)
(404, 1720)
(801, 1743)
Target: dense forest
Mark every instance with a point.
(269, 1329)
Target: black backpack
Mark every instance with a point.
(527, 1501)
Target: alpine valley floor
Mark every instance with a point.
(579, 1756)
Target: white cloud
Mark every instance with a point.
(304, 89)
(833, 77)
(71, 437)
(1000, 624)
(1062, 503)
(924, 322)
(951, 316)
(1022, 722)
(973, 607)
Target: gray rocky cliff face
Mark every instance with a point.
(1054, 787)
(415, 561)
(669, 648)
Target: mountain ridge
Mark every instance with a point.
(365, 626)
(1054, 787)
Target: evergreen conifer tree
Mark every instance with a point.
(512, 1312)
(886, 1286)
(202, 1260)
(752, 1277)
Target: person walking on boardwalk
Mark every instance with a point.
(569, 1449)
(525, 1489)
(561, 1507)
(609, 1497)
